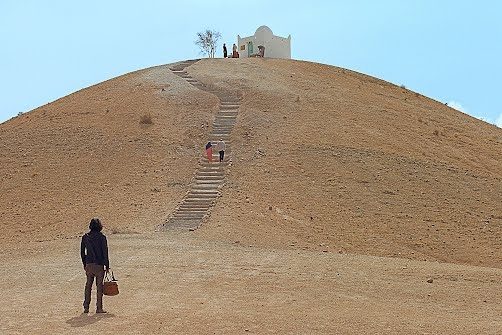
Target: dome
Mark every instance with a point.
(263, 32)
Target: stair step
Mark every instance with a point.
(182, 224)
(189, 215)
(192, 198)
(196, 206)
(229, 123)
(225, 118)
(196, 195)
(205, 191)
(200, 197)
(211, 163)
(197, 198)
(214, 183)
(226, 96)
(192, 213)
(210, 172)
(217, 177)
(200, 217)
(206, 179)
(215, 166)
(200, 202)
(203, 211)
(221, 164)
(209, 177)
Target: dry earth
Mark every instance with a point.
(345, 194)
(182, 284)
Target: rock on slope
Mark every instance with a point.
(323, 158)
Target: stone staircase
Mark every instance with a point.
(209, 177)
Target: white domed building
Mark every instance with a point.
(274, 46)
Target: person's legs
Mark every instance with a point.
(100, 273)
(222, 153)
(88, 287)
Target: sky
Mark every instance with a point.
(449, 50)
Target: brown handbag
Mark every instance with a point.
(110, 285)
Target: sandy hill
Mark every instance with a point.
(323, 159)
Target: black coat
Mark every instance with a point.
(94, 249)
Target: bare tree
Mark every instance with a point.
(207, 42)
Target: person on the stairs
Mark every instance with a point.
(224, 51)
(209, 152)
(220, 147)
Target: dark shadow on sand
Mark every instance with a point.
(87, 319)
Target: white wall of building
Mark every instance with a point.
(275, 46)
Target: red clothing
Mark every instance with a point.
(209, 153)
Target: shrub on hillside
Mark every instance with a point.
(146, 119)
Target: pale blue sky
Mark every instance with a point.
(448, 50)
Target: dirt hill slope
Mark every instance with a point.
(330, 159)
(323, 158)
(90, 154)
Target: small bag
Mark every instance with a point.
(110, 285)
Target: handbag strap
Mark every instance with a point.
(107, 276)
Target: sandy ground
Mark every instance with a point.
(181, 284)
(344, 196)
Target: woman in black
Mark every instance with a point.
(94, 254)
